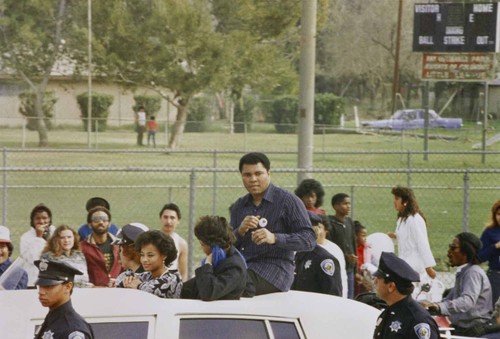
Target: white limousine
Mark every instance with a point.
(133, 314)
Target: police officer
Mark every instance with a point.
(404, 317)
(55, 285)
(317, 270)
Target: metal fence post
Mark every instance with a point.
(4, 188)
(353, 205)
(214, 189)
(465, 220)
(408, 179)
(192, 213)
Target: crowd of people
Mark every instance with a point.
(274, 241)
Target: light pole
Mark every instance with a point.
(395, 81)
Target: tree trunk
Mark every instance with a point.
(180, 123)
(43, 138)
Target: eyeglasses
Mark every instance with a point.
(99, 218)
(452, 247)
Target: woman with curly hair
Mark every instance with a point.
(223, 273)
(411, 233)
(157, 253)
(311, 193)
(64, 246)
(490, 251)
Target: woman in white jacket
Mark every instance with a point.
(411, 234)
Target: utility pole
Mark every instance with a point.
(395, 81)
(306, 99)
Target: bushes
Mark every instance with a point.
(197, 114)
(27, 108)
(283, 111)
(151, 103)
(100, 110)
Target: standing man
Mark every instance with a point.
(342, 233)
(468, 305)
(404, 318)
(270, 224)
(170, 217)
(55, 285)
(140, 121)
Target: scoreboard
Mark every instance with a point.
(456, 27)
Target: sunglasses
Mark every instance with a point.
(99, 218)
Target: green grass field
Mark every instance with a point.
(151, 177)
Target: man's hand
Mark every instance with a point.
(433, 308)
(249, 223)
(40, 230)
(263, 236)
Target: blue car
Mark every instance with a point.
(413, 119)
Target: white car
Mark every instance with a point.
(134, 314)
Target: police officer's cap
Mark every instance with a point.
(129, 233)
(54, 272)
(396, 269)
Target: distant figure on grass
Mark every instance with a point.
(140, 124)
(152, 128)
(170, 218)
(311, 193)
(85, 229)
(223, 273)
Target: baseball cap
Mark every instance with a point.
(395, 269)
(4, 234)
(129, 233)
(54, 272)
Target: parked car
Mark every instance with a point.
(134, 314)
(413, 119)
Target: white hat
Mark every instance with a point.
(4, 234)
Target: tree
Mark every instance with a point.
(181, 46)
(33, 35)
(358, 46)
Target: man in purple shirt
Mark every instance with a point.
(270, 225)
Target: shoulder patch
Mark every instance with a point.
(76, 335)
(328, 266)
(422, 330)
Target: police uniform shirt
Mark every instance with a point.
(317, 271)
(406, 319)
(64, 323)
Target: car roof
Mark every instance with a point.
(321, 316)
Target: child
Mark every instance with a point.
(152, 127)
(365, 260)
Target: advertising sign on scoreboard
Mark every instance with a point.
(456, 27)
(458, 66)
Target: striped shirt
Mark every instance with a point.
(287, 218)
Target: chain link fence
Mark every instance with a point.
(139, 183)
